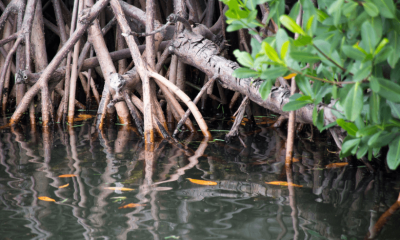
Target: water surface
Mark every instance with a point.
(329, 203)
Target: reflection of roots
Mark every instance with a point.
(375, 230)
(237, 189)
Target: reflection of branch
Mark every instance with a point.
(292, 201)
(228, 216)
(383, 219)
(193, 161)
(280, 222)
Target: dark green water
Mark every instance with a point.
(338, 203)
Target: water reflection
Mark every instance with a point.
(336, 203)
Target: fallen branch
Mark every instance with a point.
(202, 53)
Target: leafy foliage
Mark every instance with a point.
(346, 53)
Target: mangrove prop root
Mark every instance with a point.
(195, 101)
(197, 45)
(239, 114)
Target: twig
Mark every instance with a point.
(320, 79)
(195, 101)
(331, 60)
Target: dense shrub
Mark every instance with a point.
(346, 52)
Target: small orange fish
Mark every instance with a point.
(290, 76)
(68, 175)
(337, 165)
(132, 205)
(202, 182)
(282, 183)
(119, 188)
(47, 199)
(82, 117)
(295, 160)
(243, 120)
(64, 186)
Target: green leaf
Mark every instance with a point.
(395, 73)
(322, 15)
(235, 27)
(315, 115)
(371, 9)
(360, 49)
(395, 122)
(265, 89)
(255, 47)
(281, 38)
(349, 144)
(294, 105)
(350, 127)
(304, 57)
(360, 19)
(244, 58)
(295, 96)
(353, 53)
(354, 102)
(291, 25)
(310, 24)
(367, 131)
(385, 113)
(334, 91)
(328, 126)
(362, 150)
(337, 17)
(321, 91)
(348, 8)
(374, 138)
(244, 73)
(384, 55)
(363, 147)
(394, 42)
(386, 8)
(393, 156)
(389, 90)
(368, 37)
(304, 85)
(377, 25)
(271, 53)
(374, 105)
(252, 4)
(304, 98)
(362, 73)
(360, 123)
(374, 84)
(284, 49)
(302, 41)
(335, 6)
(395, 109)
(309, 12)
(273, 72)
(383, 139)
